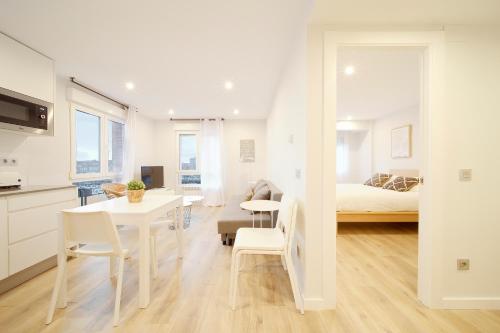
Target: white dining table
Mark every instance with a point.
(140, 214)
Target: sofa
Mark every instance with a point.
(234, 217)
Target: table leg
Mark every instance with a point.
(144, 265)
(179, 230)
(62, 262)
(253, 219)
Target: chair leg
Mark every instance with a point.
(112, 267)
(283, 262)
(116, 317)
(154, 258)
(55, 293)
(299, 304)
(234, 278)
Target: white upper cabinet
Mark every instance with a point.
(26, 71)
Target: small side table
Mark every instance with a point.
(261, 206)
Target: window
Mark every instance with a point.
(188, 161)
(88, 148)
(98, 146)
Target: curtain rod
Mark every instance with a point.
(123, 105)
(194, 119)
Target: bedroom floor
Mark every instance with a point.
(377, 285)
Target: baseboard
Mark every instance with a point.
(317, 304)
(470, 303)
(20, 277)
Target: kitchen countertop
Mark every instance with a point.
(32, 189)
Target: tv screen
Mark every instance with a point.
(152, 176)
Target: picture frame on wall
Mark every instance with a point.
(401, 142)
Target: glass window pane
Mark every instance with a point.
(116, 139)
(88, 150)
(190, 179)
(187, 152)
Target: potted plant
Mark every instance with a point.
(135, 190)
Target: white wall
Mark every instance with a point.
(145, 144)
(236, 174)
(42, 160)
(470, 134)
(382, 160)
(286, 134)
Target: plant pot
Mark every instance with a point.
(135, 195)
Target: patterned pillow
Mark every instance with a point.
(378, 179)
(401, 184)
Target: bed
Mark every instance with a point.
(362, 203)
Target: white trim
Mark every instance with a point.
(433, 42)
(492, 303)
(79, 97)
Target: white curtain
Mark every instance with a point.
(129, 165)
(342, 156)
(211, 155)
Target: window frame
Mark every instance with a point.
(103, 143)
(181, 172)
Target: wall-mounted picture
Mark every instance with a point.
(401, 142)
(247, 151)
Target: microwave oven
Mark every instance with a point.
(24, 114)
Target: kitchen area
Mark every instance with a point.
(34, 159)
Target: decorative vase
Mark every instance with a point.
(135, 195)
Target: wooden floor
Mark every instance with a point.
(376, 291)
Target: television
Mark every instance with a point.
(152, 176)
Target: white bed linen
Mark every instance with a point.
(363, 198)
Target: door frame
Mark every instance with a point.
(429, 249)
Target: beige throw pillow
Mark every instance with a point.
(249, 194)
(262, 193)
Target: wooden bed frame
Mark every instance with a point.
(405, 216)
(377, 217)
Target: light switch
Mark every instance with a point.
(465, 175)
(298, 173)
(290, 139)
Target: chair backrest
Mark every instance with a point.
(90, 228)
(287, 218)
(114, 190)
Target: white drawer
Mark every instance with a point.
(35, 221)
(29, 252)
(36, 199)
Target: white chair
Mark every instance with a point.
(100, 238)
(270, 241)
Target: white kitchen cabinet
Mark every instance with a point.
(26, 71)
(28, 226)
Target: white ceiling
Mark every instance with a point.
(178, 53)
(386, 80)
(406, 12)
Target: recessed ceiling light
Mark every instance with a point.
(349, 117)
(349, 70)
(228, 85)
(171, 112)
(130, 85)
(236, 111)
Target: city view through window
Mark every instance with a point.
(188, 152)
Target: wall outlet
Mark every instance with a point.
(463, 264)
(465, 175)
(8, 161)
